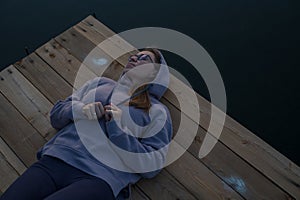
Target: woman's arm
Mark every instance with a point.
(62, 112)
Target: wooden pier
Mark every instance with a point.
(241, 165)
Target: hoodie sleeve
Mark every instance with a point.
(70, 109)
(141, 145)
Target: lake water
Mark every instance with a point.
(255, 45)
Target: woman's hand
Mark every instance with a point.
(112, 111)
(93, 111)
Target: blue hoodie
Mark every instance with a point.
(68, 144)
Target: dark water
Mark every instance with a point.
(255, 45)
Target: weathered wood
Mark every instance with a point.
(89, 53)
(138, 194)
(164, 186)
(18, 133)
(7, 173)
(99, 27)
(81, 48)
(11, 157)
(228, 166)
(107, 44)
(271, 163)
(27, 99)
(259, 154)
(110, 47)
(43, 77)
(64, 63)
(199, 180)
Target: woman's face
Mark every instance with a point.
(146, 69)
(140, 59)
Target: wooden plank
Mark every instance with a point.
(44, 78)
(56, 56)
(137, 194)
(82, 48)
(79, 50)
(27, 99)
(164, 186)
(199, 180)
(64, 63)
(18, 134)
(7, 173)
(232, 169)
(228, 165)
(106, 44)
(99, 27)
(70, 39)
(11, 157)
(258, 153)
(271, 162)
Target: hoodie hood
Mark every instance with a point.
(155, 76)
(161, 82)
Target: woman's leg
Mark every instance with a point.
(91, 189)
(34, 184)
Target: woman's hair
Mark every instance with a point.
(142, 101)
(155, 52)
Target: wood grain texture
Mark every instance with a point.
(65, 64)
(164, 186)
(227, 165)
(7, 173)
(200, 180)
(27, 100)
(246, 145)
(44, 78)
(10, 156)
(18, 133)
(90, 55)
(138, 194)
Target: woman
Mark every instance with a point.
(131, 120)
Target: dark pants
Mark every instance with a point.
(53, 179)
